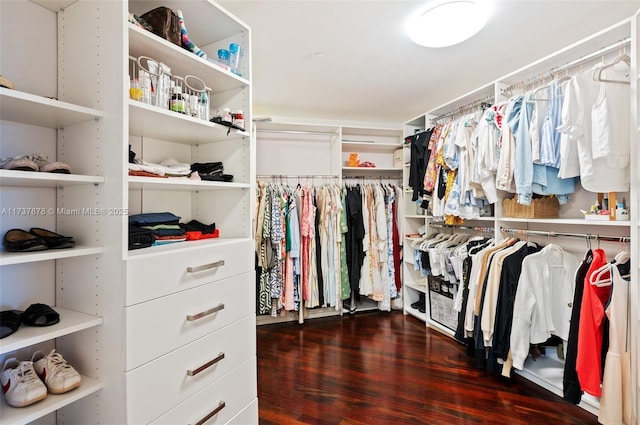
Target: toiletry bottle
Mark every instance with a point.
(204, 105)
(235, 53)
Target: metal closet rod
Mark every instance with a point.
(567, 235)
(555, 71)
(453, 226)
(468, 108)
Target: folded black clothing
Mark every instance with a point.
(217, 177)
(168, 232)
(196, 226)
(207, 167)
(154, 218)
(139, 237)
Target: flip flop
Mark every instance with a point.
(40, 315)
(9, 322)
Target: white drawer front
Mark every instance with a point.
(162, 384)
(248, 416)
(164, 324)
(220, 401)
(163, 273)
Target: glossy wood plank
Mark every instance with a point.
(386, 368)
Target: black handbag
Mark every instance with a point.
(165, 23)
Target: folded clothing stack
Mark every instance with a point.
(194, 230)
(211, 171)
(164, 226)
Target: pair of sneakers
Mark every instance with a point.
(34, 162)
(26, 382)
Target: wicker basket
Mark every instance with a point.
(546, 207)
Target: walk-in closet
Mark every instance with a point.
(307, 212)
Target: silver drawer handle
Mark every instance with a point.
(209, 266)
(208, 364)
(212, 414)
(192, 317)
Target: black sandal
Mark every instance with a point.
(18, 240)
(52, 239)
(40, 315)
(9, 322)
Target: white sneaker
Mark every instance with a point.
(20, 384)
(57, 375)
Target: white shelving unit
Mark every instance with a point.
(547, 371)
(71, 104)
(329, 145)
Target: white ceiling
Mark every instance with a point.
(370, 71)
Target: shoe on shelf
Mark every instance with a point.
(52, 239)
(55, 372)
(46, 166)
(20, 384)
(20, 163)
(9, 322)
(18, 240)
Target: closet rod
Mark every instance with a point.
(581, 60)
(309, 133)
(468, 108)
(569, 235)
(453, 226)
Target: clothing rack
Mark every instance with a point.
(466, 109)
(588, 236)
(553, 72)
(453, 226)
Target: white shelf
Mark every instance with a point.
(547, 372)
(8, 258)
(415, 216)
(31, 109)
(181, 183)
(38, 179)
(151, 121)
(182, 246)
(181, 61)
(53, 402)
(371, 170)
(70, 322)
(416, 287)
(415, 313)
(369, 147)
(570, 221)
(54, 5)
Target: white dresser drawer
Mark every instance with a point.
(248, 416)
(164, 324)
(166, 272)
(220, 401)
(158, 386)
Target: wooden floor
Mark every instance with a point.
(386, 368)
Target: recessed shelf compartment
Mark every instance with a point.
(151, 121)
(369, 146)
(181, 61)
(181, 184)
(31, 109)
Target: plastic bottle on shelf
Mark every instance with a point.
(203, 105)
(235, 53)
(223, 58)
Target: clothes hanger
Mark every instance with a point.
(597, 73)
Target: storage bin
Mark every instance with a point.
(545, 207)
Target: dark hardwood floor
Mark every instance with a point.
(386, 368)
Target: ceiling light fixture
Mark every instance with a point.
(447, 22)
